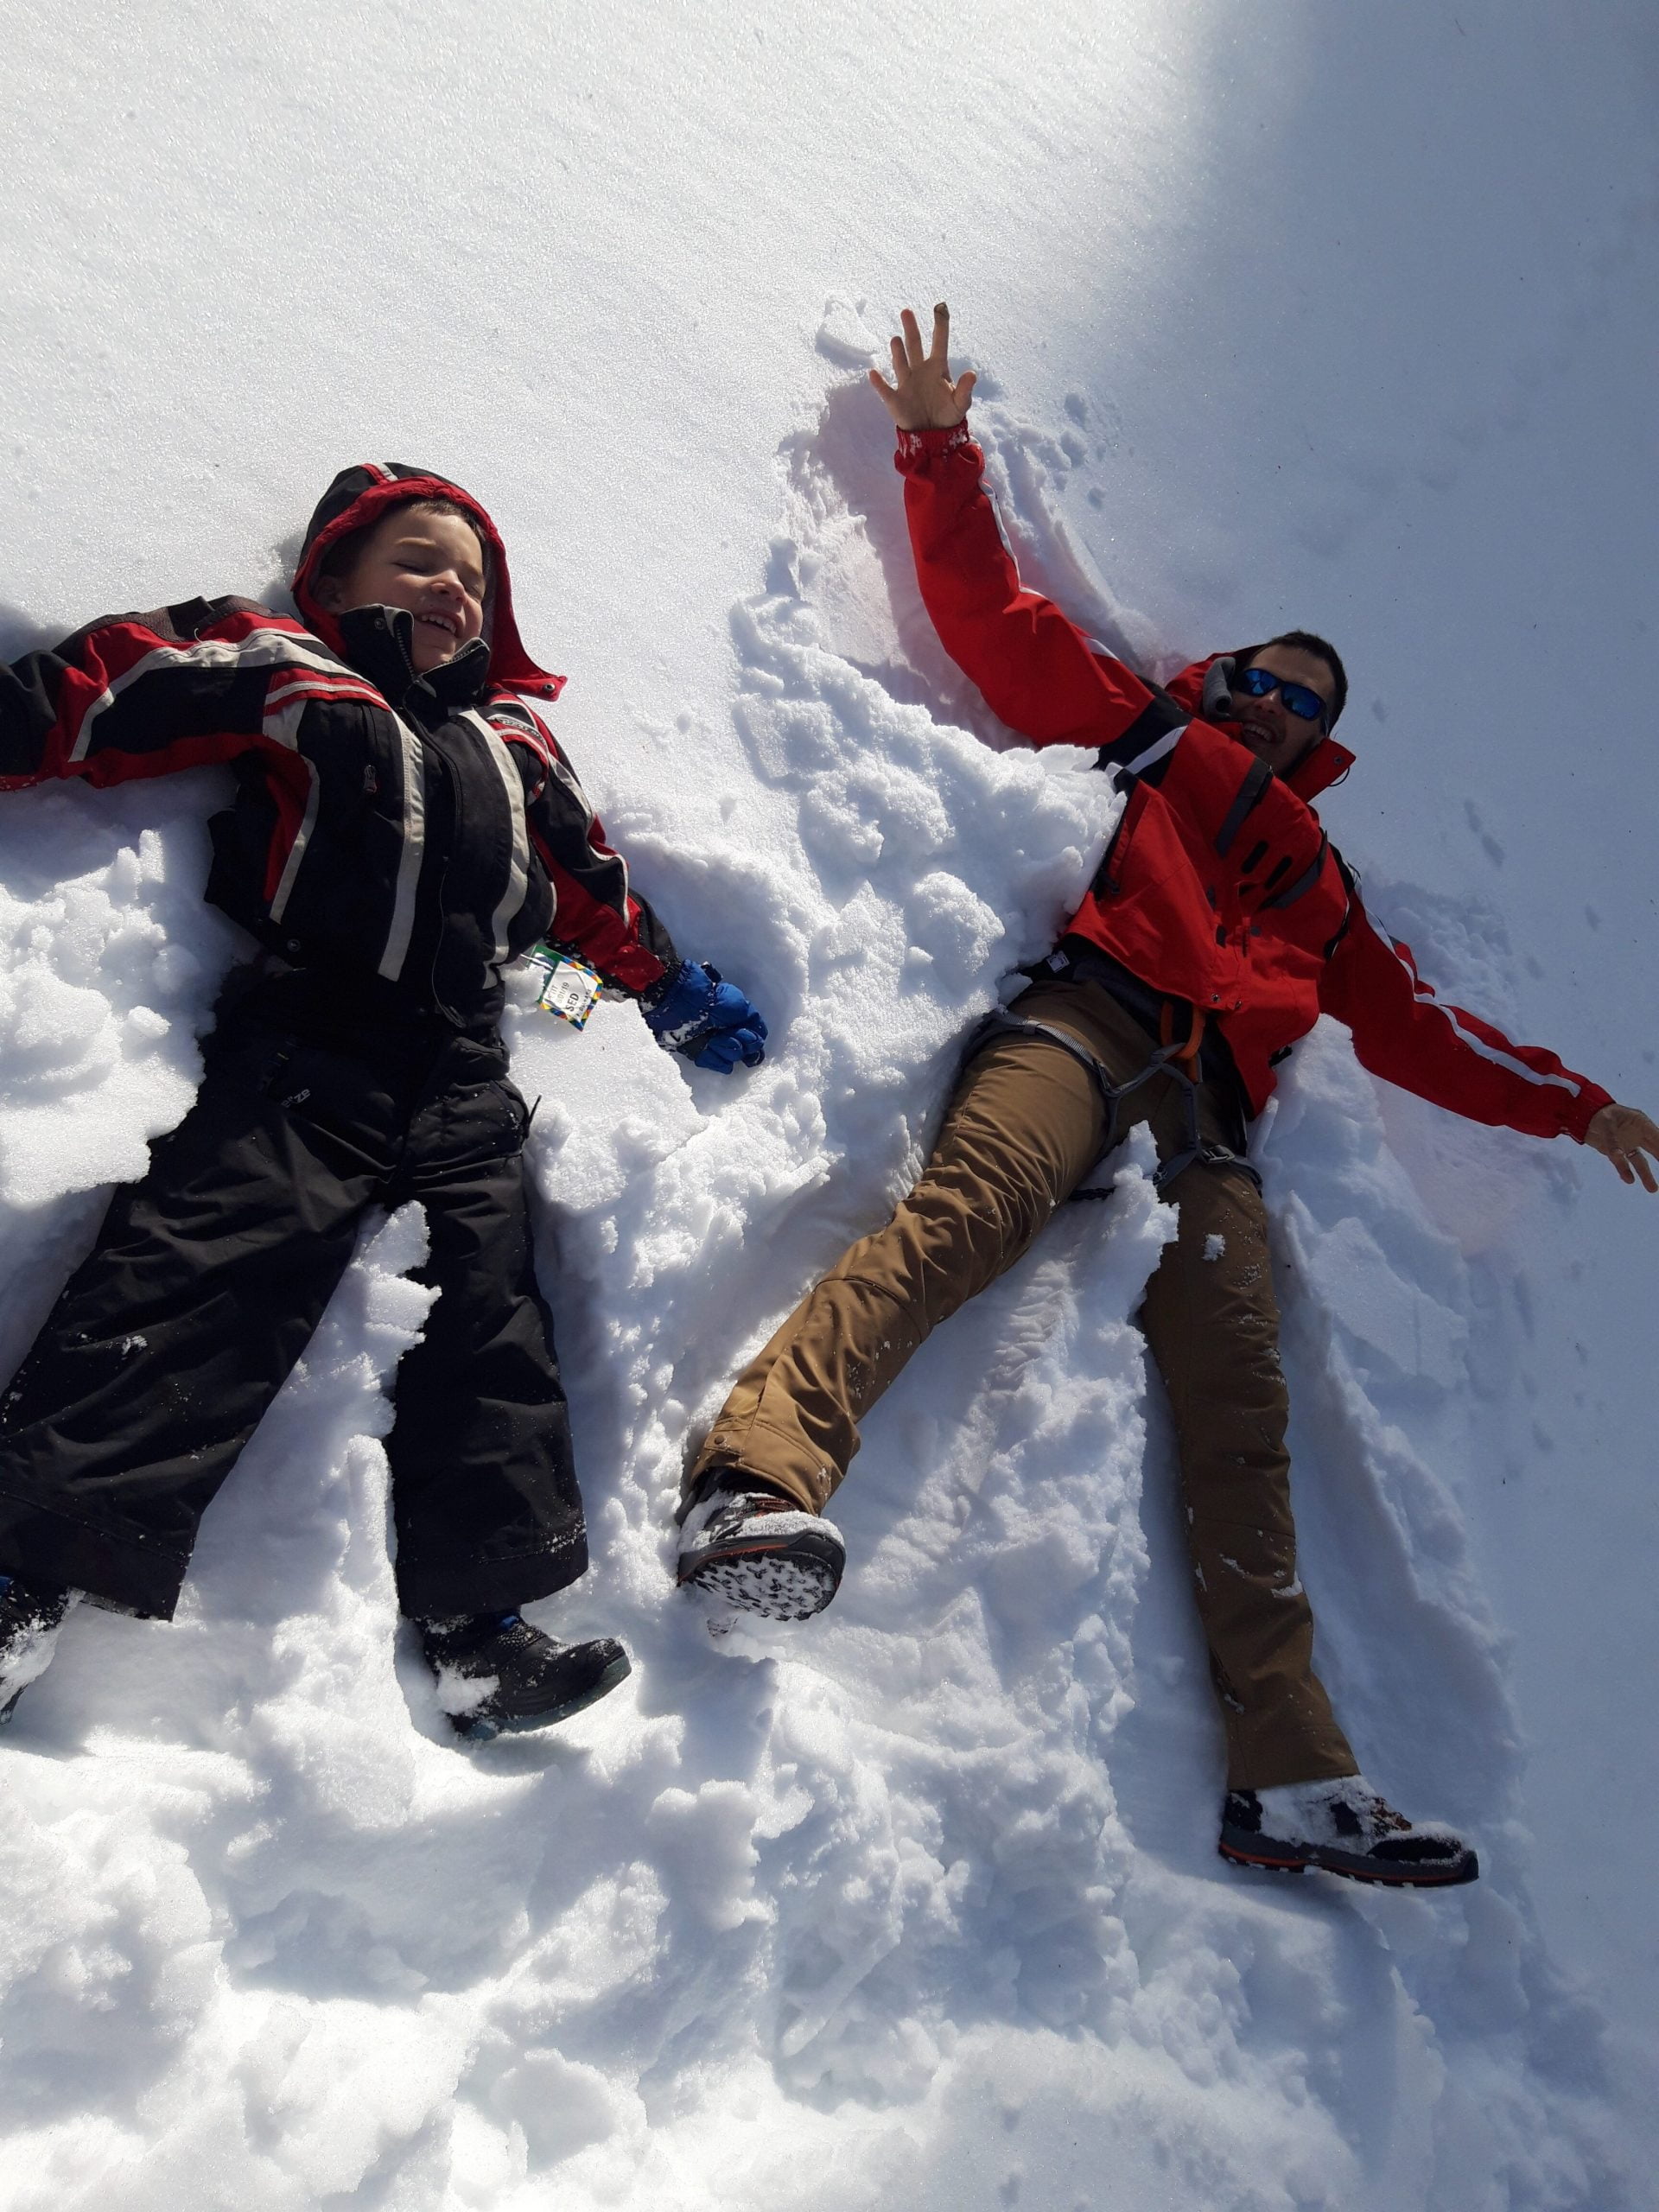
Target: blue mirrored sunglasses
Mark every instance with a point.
(1306, 705)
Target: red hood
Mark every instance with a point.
(1327, 764)
(362, 494)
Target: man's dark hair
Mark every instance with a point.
(1322, 649)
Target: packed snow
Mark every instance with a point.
(1335, 315)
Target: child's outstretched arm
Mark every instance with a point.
(141, 694)
(687, 1006)
(597, 912)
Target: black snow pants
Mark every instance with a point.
(209, 1276)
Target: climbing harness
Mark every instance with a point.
(1178, 1060)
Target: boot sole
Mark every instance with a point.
(476, 1728)
(779, 1586)
(1329, 1860)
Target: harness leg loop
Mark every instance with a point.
(1178, 1061)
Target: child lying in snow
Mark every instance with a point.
(405, 826)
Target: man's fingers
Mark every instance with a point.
(1632, 1166)
(1627, 1136)
(941, 346)
(901, 362)
(912, 328)
(964, 388)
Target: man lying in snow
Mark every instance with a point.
(406, 825)
(1219, 926)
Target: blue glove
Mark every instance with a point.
(711, 1022)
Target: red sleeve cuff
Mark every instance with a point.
(917, 449)
(1584, 1109)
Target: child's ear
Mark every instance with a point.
(328, 594)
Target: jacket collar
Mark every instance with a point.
(379, 642)
(1327, 764)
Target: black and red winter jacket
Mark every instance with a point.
(420, 830)
(1219, 889)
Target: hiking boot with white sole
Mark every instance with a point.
(761, 1553)
(1345, 1828)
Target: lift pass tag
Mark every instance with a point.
(569, 987)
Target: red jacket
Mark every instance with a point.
(1219, 887)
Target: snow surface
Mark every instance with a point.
(1313, 313)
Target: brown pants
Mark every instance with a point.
(1026, 1126)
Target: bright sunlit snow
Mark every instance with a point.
(1311, 313)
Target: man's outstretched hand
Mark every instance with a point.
(1626, 1135)
(921, 396)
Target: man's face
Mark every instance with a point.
(1267, 726)
(433, 565)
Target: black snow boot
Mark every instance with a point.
(496, 1672)
(1346, 1829)
(30, 1620)
(760, 1551)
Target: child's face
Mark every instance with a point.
(431, 564)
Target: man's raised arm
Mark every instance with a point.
(1048, 681)
(1036, 669)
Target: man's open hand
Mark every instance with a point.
(1626, 1136)
(921, 396)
